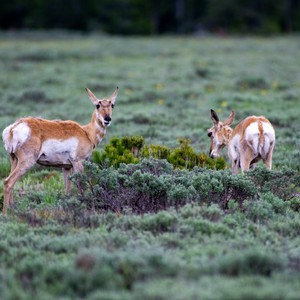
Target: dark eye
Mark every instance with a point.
(97, 106)
(209, 134)
(112, 106)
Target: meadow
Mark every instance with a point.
(149, 230)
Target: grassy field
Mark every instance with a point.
(54, 247)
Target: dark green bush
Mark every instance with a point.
(205, 227)
(252, 83)
(283, 183)
(251, 262)
(258, 211)
(221, 186)
(295, 204)
(99, 269)
(163, 221)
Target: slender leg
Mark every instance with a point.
(235, 166)
(77, 167)
(247, 156)
(67, 173)
(234, 156)
(13, 162)
(246, 159)
(268, 160)
(245, 164)
(21, 168)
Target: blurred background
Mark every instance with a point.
(152, 17)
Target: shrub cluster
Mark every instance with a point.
(283, 183)
(153, 184)
(124, 252)
(132, 149)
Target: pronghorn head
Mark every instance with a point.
(219, 134)
(104, 106)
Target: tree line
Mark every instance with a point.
(153, 16)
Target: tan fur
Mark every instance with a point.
(78, 143)
(244, 150)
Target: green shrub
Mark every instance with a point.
(221, 186)
(179, 193)
(96, 268)
(4, 168)
(212, 213)
(133, 143)
(251, 262)
(114, 153)
(185, 157)
(278, 205)
(163, 221)
(205, 227)
(132, 149)
(252, 83)
(258, 211)
(156, 151)
(295, 204)
(283, 183)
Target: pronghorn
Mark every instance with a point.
(251, 140)
(64, 144)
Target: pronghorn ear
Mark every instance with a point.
(230, 119)
(93, 98)
(114, 96)
(214, 117)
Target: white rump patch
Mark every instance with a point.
(269, 137)
(269, 131)
(14, 136)
(252, 130)
(252, 138)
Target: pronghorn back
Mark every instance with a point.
(26, 129)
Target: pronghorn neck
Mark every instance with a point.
(95, 130)
(226, 134)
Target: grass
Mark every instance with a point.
(54, 248)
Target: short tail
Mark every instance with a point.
(263, 147)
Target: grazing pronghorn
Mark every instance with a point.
(251, 140)
(64, 144)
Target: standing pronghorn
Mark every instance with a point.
(251, 140)
(64, 144)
